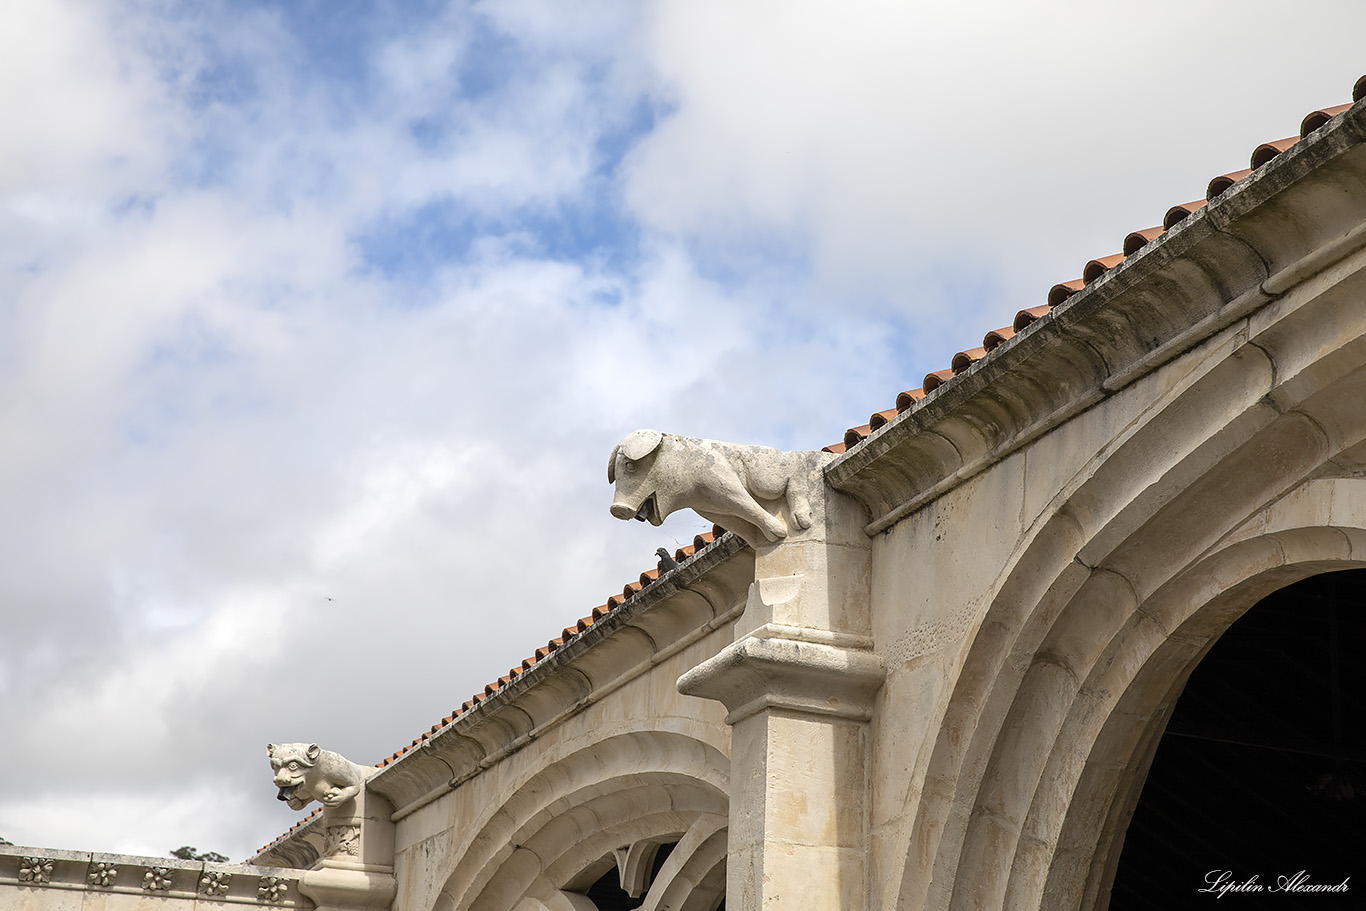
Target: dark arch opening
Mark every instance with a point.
(1262, 769)
(608, 894)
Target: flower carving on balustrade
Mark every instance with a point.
(102, 874)
(35, 870)
(157, 879)
(214, 883)
(272, 889)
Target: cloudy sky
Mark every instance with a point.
(318, 320)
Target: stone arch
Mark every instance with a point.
(1199, 504)
(694, 876)
(1048, 780)
(572, 815)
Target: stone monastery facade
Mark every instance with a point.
(941, 664)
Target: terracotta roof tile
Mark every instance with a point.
(934, 380)
(908, 398)
(877, 420)
(1269, 150)
(1221, 184)
(1025, 317)
(989, 342)
(1315, 119)
(1098, 267)
(965, 359)
(1177, 214)
(1137, 240)
(1062, 291)
(1135, 244)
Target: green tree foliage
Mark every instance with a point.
(189, 852)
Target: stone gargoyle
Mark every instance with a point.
(657, 473)
(305, 772)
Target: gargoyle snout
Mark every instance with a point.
(622, 511)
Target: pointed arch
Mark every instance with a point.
(635, 787)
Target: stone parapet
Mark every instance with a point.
(43, 879)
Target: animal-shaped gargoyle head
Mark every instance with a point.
(639, 487)
(741, 488)
(305, 772)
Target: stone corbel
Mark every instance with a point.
(356, 869)
(761, 671)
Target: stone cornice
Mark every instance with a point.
(700, 596)
(1294, 217)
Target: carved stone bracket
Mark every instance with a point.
(762, 673)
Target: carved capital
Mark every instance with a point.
(755, 674)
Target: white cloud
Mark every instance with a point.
(1003, 139)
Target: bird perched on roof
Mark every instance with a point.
(666, 561)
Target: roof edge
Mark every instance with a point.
(701, 593)
(1231, 257)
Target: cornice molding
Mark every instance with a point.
(1293, 218)
(702, 595)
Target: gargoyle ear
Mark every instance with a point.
(641, 443)
(270, 750)
(313, 751)
(612, 465)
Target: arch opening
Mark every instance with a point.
(1258, 783)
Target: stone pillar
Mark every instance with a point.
(356, 869)
(798, 683)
